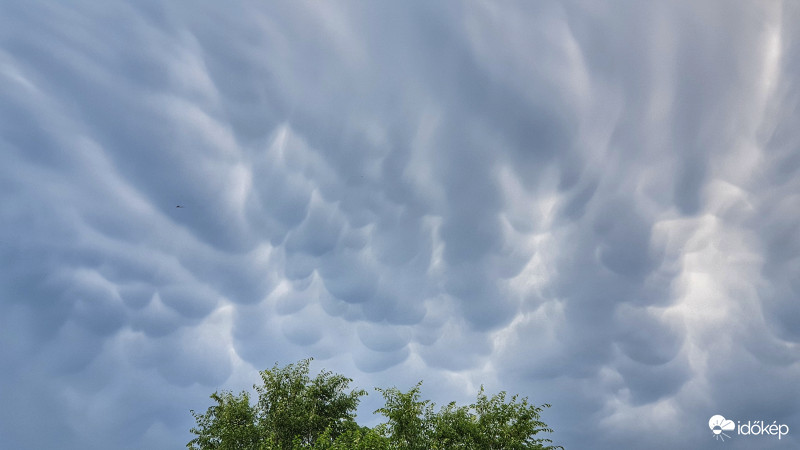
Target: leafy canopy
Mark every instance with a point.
(295, 412)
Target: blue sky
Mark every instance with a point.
(592, 204)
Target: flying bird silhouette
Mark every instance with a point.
(179, 206)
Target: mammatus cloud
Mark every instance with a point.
(592, 205)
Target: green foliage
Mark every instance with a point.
(293, 411)
(407, 426)
(356, 438)
(488, 424)
(509, 425)
(296, 412)
(228, 425)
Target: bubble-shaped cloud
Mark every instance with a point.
(592, 206)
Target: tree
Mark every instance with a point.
(295, 412)
(488, 424)
(294, 409)
(408, 418)
(228, 425)
(357, 438)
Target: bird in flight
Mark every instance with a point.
(179, 206)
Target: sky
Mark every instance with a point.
(594, 204)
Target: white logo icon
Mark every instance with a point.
(718, 424)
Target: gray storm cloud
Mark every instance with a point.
(593, 205)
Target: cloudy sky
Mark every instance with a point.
(592, 204)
